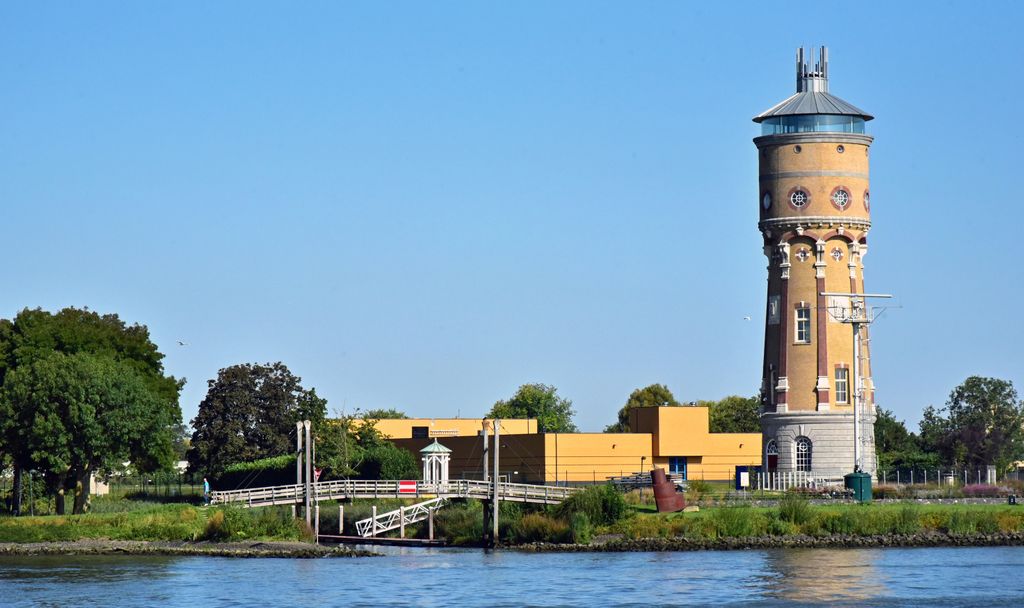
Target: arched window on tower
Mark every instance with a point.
(803, 454)
(771, 453)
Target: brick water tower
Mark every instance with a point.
(815, 202)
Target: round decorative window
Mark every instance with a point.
(799, 198)
(837, 254)
(867, 200)
(797, 149)
(840, 149)
(840, 198)
(766, 201)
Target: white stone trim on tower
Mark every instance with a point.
(823, 388)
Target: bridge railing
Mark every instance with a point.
(369, 488)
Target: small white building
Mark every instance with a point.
(435, 463)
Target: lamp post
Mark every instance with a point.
(642, 459)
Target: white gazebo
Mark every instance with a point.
(435, 463)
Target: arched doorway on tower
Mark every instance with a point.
(771, 455)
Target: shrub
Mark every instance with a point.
(980, 490)
(969, 522)
(581, 528)
(276, 471)
(781, 527)
(837, 522)
(795, 509)
(935, 520)
(696, 488)
(460, 524)
(538, 527)
(640, 526)
(1010, 521)
(603, 505)
(388, 461)
(232, 523)
(736, 522)
(887, 491)
(215, 527)
(907, 520)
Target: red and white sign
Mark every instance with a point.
(407, 487)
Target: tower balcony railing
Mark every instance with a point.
(812, 123)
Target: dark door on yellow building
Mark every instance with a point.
(677, 465)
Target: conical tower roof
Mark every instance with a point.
(812, 96)
(435, 448)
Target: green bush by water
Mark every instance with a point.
(603, 505)
(795, 509)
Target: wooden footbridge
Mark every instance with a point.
(347, 489)
(436, 495)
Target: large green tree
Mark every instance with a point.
(735, 414)
(982, 423)
(80, 413)
(654, 395)
(249, 412)
(896, 447)
(42, 390)
(541, 401)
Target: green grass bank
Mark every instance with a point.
(594, 517)
(129, 520)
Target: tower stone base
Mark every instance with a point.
(831, 436)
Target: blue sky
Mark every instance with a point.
(425, 205)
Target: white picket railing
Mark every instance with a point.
(780, 481)
(359, 488)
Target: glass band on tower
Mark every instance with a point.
(814, 203)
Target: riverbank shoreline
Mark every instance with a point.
(838, 541)
(253, 549)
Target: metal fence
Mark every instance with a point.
(162, 487)
(165, 485)
(946, 476)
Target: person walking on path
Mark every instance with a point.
(206, 492)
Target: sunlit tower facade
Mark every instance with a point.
(815, 203)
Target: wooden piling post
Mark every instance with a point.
(341, 520)
(316, 529)
(430, 524)
(373, 523)
(401, 522)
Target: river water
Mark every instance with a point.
(983, 576)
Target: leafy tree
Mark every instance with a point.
(896, 447)
(553, 413)
(982, 423)
(388, 461)
(249, 413)
(384, 414)
(654, 395)
(81, 412)
(182, 440)
(350, 447)
(735, 414)
(34, 336)
(339, 450)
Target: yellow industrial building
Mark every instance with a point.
(676, 439)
